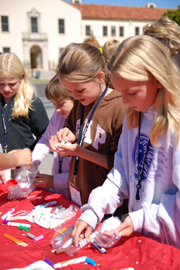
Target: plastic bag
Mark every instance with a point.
(54, 216)
(62, 234)
(26, 175)
(24, 178)
(105, 236)
(62, 240)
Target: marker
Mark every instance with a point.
(17, 217)
(48, 262)
(17, 241)
(96, 245)
(23, 228)
(37, 182)
(70, 262)
(64, 233)
(68, 243)
(93, 263)
(30, 235)
(9, 212)
(37, 238)
(46, 204)
(18, 224)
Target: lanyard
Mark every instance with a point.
(5, 122)
(82, 133)
(60, 161)
(60, 164)
(140, 173)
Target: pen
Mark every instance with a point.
(96, 245)
(18, 224)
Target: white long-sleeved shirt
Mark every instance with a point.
(157, 213)
(42, 148)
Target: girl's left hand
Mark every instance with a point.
(126, 228)
(68, 150)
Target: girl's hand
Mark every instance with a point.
(23, 156)
(66, 134)
(79, 231)
(52, 143)
(68, 150)
(44, 181)
(2, 178)
(126, 228)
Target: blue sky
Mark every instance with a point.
(135, 3)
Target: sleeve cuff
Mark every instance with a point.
(137, 218)
(88, 216)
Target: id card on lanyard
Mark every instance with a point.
(74, 189)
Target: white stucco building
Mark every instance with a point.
(38, 30)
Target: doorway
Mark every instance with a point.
(36, 57)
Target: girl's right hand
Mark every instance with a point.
(23, 156)
(81, 230)
(66, 134)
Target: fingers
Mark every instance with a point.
(126, 228)
(78, 232)
(62, 134)
(88, 233)
(52, 142)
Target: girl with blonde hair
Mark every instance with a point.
(23, 118)
(147, 164)
(95, 120)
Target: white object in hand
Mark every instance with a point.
(58, 145)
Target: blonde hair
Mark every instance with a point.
(54, 90)
(165, 28)
(11, 65)
(142, 58)
(81, 62)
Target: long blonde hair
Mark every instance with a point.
(11, 65)
(142, 58)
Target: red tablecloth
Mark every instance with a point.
(136, 251)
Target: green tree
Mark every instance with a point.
(173, 15)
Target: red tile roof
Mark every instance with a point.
(101, 12)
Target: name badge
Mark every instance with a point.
(75, 194)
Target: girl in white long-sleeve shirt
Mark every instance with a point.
(63, 103)
(147, 162)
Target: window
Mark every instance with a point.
(113, 31)
(34, 25)
(121, 31)
(6, 49)
(136, 31)
(4, 24)
(61, 26)
(88, 30)
(105, 31)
